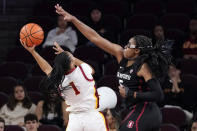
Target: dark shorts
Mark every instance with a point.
(142, 117)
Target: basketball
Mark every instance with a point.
(32, 34)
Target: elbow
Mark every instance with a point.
(160, 96)
(93, 39)
(157, 96)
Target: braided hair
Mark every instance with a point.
(61, 66)
(156, 57)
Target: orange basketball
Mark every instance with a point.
(32, 34)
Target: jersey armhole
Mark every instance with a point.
(86, 72)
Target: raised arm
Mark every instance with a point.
(92, 35)
(44, 65)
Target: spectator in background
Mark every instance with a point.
(113, 119)
(97, 23)
(174, 91)
(159, 35)
(31, 122)
(172, 86)
(52, 110)
(19, 104)
(190, 45)
(193, 125)
(2, 124)
(63, 34)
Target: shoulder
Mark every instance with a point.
(33, 105)
(69, 29)
(145, 72)
(4, 107)
(52, 31)
(86, 70)
(145, 67)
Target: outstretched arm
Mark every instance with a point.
(44, 65)
(92, 35)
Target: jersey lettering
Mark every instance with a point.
(123, 76)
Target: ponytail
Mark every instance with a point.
(55, 78)
(156, 57)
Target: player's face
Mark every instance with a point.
(31, 125)
(19, 93)
(61, 22)
(130, 50)
(96, 15)
(1, 126)
(159, 32)
(194, 126)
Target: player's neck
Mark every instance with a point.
(130, 62)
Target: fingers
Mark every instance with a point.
(33, 46)
(56, 44)
(57, 53)
(55, 49)
(23, 44)
(57, 6)
(65, 18)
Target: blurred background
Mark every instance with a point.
(174, 21)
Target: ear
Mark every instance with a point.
(137, 51)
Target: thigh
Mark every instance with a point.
(129, 124)
(150, 120)
(140, 119)
(95, 121)
(74, 123)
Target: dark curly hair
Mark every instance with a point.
(156, 57)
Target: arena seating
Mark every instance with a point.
(6, 84)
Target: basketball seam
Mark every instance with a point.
(31, 40)
(32, 28)
(28, 37)
(32, 33)
(35, 37)
(23, 34)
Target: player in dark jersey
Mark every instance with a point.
(140, 66)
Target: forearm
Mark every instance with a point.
(155, 93)
(95, 38)
(88, 32)
(43, 64)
